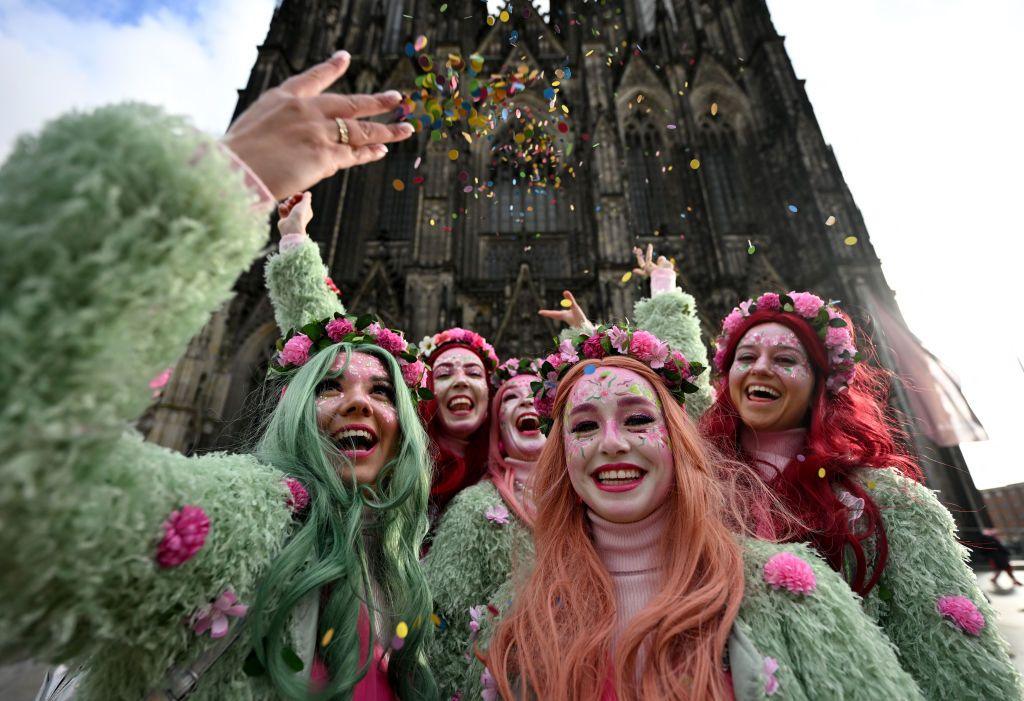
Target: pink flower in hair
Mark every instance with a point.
(680, 361)
(790, 572)
(296, 350)
(837, 337)
(413, 373)
(568, 352)
(592, 347)
(390, 341)
(339, 328)
(732, 322)
(720, 359)
(544, 404)
(768, 302)
(298, 499)
(806, 304)
(555, 360)
(962, 612)
(619, 338)
(185, 533)
(648, 349)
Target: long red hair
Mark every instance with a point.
(556, 640)
(500, 475)
(847, 430)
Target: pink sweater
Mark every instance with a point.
(771, 451)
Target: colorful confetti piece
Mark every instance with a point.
(694, 164)
(398, 185)
(850, 240)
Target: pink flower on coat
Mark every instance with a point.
(490, 687)
(648, 349)
(592, 347)
(790, 572)
(544, 404)
(619, 338)
(768, 302)
(476, 614)
(962, 612)
(298, 498)
(390, 341)
(296, 350)
(806, 304)
(214, 617)
(497, 514)
(185, 533)
(769, 668)
(732, 322)
(339, 328)
(413, 373)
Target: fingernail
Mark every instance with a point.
(392, 95)
(380, 148)
(406, 127)
(341, 55)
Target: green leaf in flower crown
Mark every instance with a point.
(822, 316)
(324, 342)
(292, 660)
(837, 323)
(280, 344)
(424, 394)
(787, 303)
(546, 367)
(696, 368)
(688, 387)
(407, 356)
(536, 387)
(365, 320)
(252, 666)
(313, 330)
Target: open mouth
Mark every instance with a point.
(762, 393)
(618, 477)
(528, 424)
(356, 441)
(460, 404)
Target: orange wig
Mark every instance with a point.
(556, 640)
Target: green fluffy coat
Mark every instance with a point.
(123, 230)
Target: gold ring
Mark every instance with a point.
(342, 130)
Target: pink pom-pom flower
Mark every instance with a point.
(296, 350)
(497, 514)
(768, 302)
(413, 373)
(339, 328)
(592, 347)
(185, 532)
(790, 572)
(962, 612)
(298, 498)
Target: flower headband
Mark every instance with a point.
(513, 367)
(823, 317)
(670, 365)
(298, 346)
(430, 346)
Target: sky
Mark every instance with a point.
(916, 97)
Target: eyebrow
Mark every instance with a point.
(631, 400)
(782, 346)
(381, 378)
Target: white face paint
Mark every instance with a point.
(771, 379)
(616, 445)
(520, 425)
(357, 411)
(460, 385)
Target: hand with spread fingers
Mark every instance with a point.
(294, 214)
(572, 316)
(645, 261)
(295, 135)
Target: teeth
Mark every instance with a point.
(768, 390)
(355, 433)
(459, 404)
(611, 475)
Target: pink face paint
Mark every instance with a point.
(520, 425)
(460, 385)
(771, 379)
(616, 443)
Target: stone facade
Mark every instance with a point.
(655, 85)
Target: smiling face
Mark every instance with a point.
(771, 378)
(520, 424)
(357, 412)
(460, 385)
(616, 445)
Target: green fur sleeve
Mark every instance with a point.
(298, 293)
(471, 557)
(672, 317)
(926, 563)
(825, 645)
(123, 230)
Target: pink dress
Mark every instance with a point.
(374, 686)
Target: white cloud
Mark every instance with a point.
(191, 66)
(917, 99)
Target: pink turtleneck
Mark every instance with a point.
(771, 451)
(632, 554)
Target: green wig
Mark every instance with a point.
(351, 533)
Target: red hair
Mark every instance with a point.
(453, 473)
(502, 476)
(847, 431)
(556, 640)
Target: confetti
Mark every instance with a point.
(792, 208)
(504, 16)
(490, 21)
(694, 164)
(626, 277)
(565, 303)
(402, 629)
(453, 155)
(830, 221)
(590, 370)
(751, 249)
(328, 636)
(821, 472)
(850, 240)
(397, 643)
(714, 109)
(420, 43)
(398, 185)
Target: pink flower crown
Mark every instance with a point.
(430, 347)
(823, 317)
(299, 345)
(513, 367)
(670, 365)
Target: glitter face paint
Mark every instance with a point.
(616, 445)
(520, 425)
(771, 379)
(357, 412)
(460, 385)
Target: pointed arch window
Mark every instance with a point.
(650, 197)
(518, 206)
(722, 178)
(398, 209)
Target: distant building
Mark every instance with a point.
(690, 131)
(1005, 506)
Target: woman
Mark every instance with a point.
(798, 405)
(639, 588)
(486, 528)
(137, 563)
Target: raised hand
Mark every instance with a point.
(290, 137)
(645, 261)
(295, 213)
(573, 316)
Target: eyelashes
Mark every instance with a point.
(634, 421)
(639, 420)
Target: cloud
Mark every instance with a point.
(191, 61)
